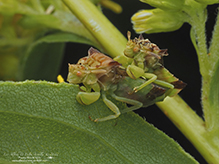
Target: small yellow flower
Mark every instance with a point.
(60, 79)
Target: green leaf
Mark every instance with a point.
(43, 61)
(41, 120)
(66, 37)
(43, 58)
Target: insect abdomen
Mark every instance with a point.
(103, 60)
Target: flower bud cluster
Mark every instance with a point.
(157, 20)
(168, 15)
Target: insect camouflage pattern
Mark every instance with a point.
(147, 63)
(135, 85)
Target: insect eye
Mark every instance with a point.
(79, 73)
(135, 49)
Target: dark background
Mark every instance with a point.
(182, 62)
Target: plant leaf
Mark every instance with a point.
(43, 61)
(43, 58)
(41, 120)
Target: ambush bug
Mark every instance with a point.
(101, 76)
(146, 62)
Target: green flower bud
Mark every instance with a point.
(207, 2)
(157, 20)
(166, 4)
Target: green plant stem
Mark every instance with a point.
(207, 61)
(98, 25)
(199, 40)
(214, 44)
(210, 96)
(197, 20)
(191, 125)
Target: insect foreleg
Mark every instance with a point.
(87, 98)
(134, 72)
(164, 84)
(112, 107)
(136, 104)
(151, 78)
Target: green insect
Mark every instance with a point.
(146, 62)
(101, 75)
(96, 72)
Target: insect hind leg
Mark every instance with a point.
(164, 84)
(112, 107)
(151, 78)
(135, 104)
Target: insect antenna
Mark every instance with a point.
(141, 37)
(162, 53)
(129, 35)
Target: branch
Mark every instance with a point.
(99, 26)
(191, 125)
